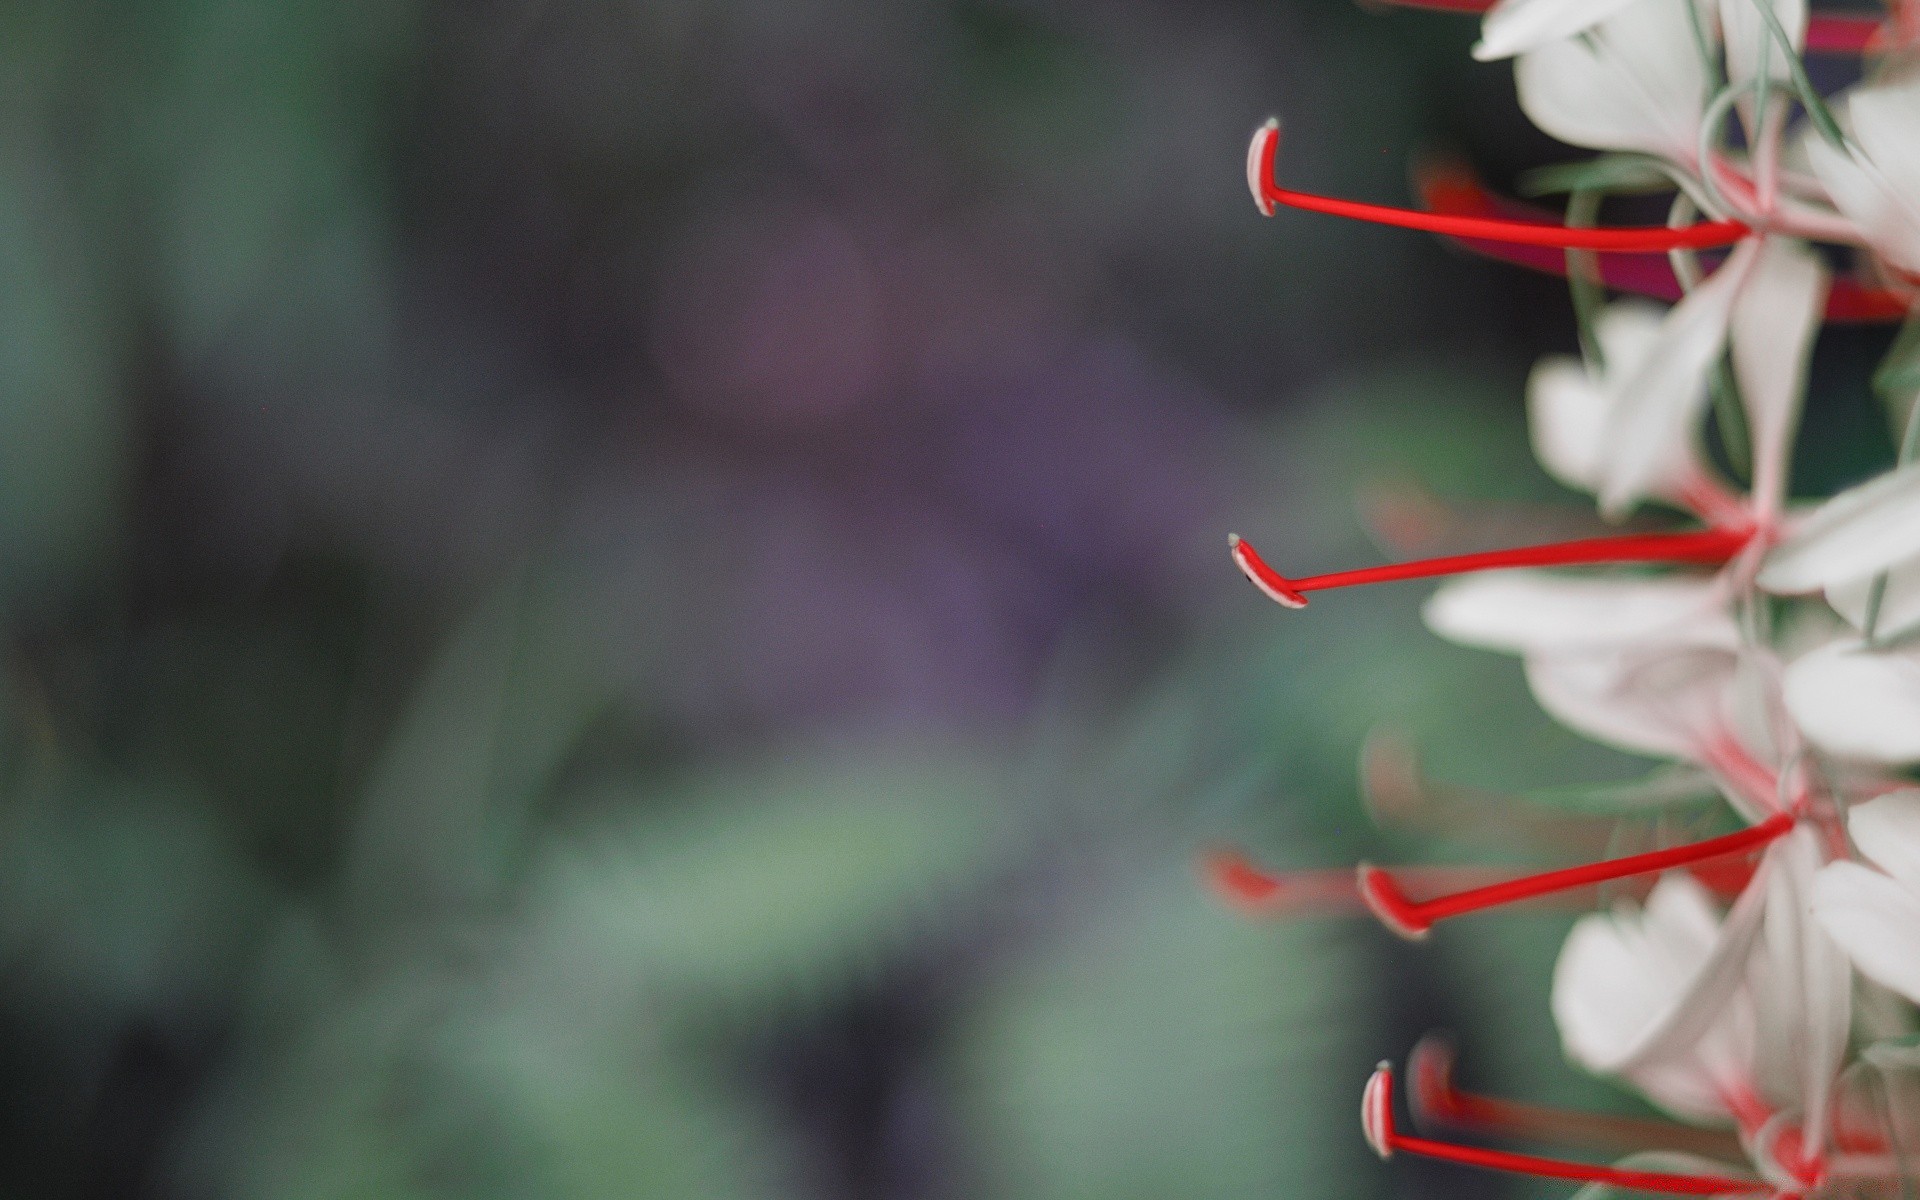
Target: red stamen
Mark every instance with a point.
(1436, 1098)
(1412, 918)
(1376, 1118)
(1710, 547)
(1642, 239)
(1254, 890)
(1451, 189)
(1827, 33)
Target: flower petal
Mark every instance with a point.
(1639, 992)
(1659, 704)
(1514, 26)
(1899, 603)
(1875, 920)
(1745, 32)
(1566, 410)
(1874, 183)
(1775, 320)
(1887, 830)
(1534, 611)
(1805, 999)
(1860, 531)
(1856, 703)
(1633, 82)
(1657, 407)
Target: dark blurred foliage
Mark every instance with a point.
(628, 598)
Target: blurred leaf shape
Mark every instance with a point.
(1173, 1049)
(769, 880)
(62, 425)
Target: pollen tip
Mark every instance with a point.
(1389, 778)
(1387, 902)
(1430, 1074)
(1274, 585)
(1376, 1110)
(1260, 155)
(1237, 881)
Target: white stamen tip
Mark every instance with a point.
(1265, 139)
(1376, 1110)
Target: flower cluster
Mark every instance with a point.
(1758, 986)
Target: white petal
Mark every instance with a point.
(1899, 603)
(1857, 703)
(1805, 999)
(1860, 531)
(1658, 704)
(1885, 121)
(1875, 920)
(1887, 830)
(1653, 994)
(1566, 410)
(1657, 407)
(1633, 82)
(1532, 611)
(1619, 972)
(1745, 31)
(1514, 26)
(1874, 182)
(1775, 320)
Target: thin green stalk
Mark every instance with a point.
(1583, 276)
(1810, 98)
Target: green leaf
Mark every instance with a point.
(765, 880)
(1173, 1049)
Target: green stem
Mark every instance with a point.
(1810, 98)
(1583, 276)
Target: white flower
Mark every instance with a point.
(1652, 994)
(1707, 1015)
(1633, 431)
(1875, 915)
(1875, 181)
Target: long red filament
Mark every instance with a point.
(1377, 1117)
(1646, 238)
(1412, 918)
(1827, 33)
(1451, 189)
(1710, 547)
(1259, 892)
(1256, 890)
(1436, 1097)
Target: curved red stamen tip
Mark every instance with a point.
(1265, 147)
(1430, 1067)
(1413, 918)
(1384, 897)
(1276, 586)
(1376, 1121)
(1238, 881)
(1261, 152)
(1376, 1110)
(1710, 547)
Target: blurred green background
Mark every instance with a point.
(628, 597)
